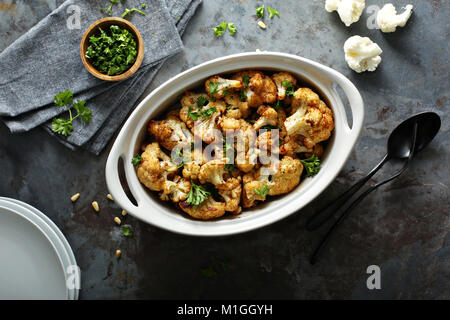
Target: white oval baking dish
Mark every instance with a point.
(153, 211)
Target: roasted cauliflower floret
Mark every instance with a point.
(171, 132)
(268, 117)
(191, 168)
(208, 209)
(231, 193)
(155, 168)
(281, 79)
(218, 87)
(213, 172)
(258, 88)
(236, 108)
(310, 118)
(293, 145)
(191, 102)
(268, 142)
(246, 148)
(176, 190)
(253, 190)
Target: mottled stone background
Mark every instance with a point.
(403, 227)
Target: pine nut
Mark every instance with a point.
(261, 24)
(124, 213)
(95, 206)
(75, 197)
(117, 221)
(118, 253)
(109, 196)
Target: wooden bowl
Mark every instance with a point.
(105, 23)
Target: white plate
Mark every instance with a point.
(35, 253)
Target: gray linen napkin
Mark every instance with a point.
(32, 74)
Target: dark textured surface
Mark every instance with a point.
(403, 227)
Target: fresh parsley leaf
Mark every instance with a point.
(246, 80)
(109, 9)
(289, 88)
(312, 165)
(260, 11)
(128, 11)
(62, 126)
(197, 195)
(126, 231)
(263, 191)
(136, 160)
(272, 12)
(243, 96)
(192, 114)
(278, 105)
(208, 112)
(232, 28)
(84, 113)
(213, 86)
(270, 127)
(229, 167)
(64, 98)
(201, 101)
(144, 5)
(220, 29)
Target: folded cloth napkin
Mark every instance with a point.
(46, 60)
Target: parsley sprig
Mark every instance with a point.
(312, 165)
(263, 191)
(64, 126)
(197, 195)
(290, 89)
(221, 28)
(128, 11)
(136, 160)
(260, 11)
(272, 12)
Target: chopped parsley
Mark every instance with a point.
(220, 29)
(208, 112)
(260, 11)
(144, 5)
(263, 191)
(136, 160)
(272, 12)
(64, 126)
(232, 28)
(128, 11)
(278, 105)
(229, 167)
(194, 115)
(109, 9)
(243, 96)
(246, 80)
(213, 86)
(112, 52)
(270, 127)
(201, 101)
(126, 231)
(312, 165)
(289, 88)
(197, 195)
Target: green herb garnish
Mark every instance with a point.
(260, 11)
(231, 28)
(278, 105)
(208, 112)
(246, 79)
(208, 272)
(64, 126)
(270, 127)
(289, 87)
(213, 86)
(201, 101)
(126, 231)
(243, 96)
(197, 195)
(312, 165)
(128, 11)
(229, 167)
(220, 29)
(272, 12)
(263, 191)
(136, 160)
(144, 5)
(192, 114)
(112, 52)
(109, 9)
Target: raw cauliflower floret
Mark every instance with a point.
(231, 193)
(349, 10)
(155, 168)
(209, 209)
(218, 87)
(362, 54)
(171, 132)
(388, 20)
(236, 108)
(213, 172)
(311, 118)
(278, 78)
(176, 190)
(260, 89)
(268, 117)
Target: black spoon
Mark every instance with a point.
(428, 125)
(410, 137)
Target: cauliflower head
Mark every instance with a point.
(218, 87)
(176, 190)
(258, 88)
(268, 117)
(311, 118)
(388, 20)
(155, 168)
(231, 193)
(362, 54)
(236, 108)
(170, 132)
(207, 210)
(191, 102)
(349, 10)
(279, 79)
(213, 172)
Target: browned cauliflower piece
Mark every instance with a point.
(176, 190)
(317, 150)
(189, 102)
(293, 145)
(213, 172)
(310, 118)
(231, 192)
(268, 117)
(191, 168)
(218, 87)
(246, 148)
(250, 190)
(258, 88)
(209, 209)
(236, 108)
(155, 168)
(279, 78)
(170, 132)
